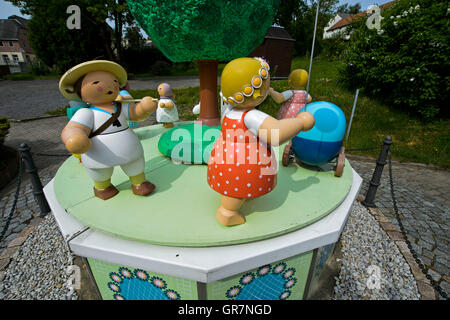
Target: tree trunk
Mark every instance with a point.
(209, 111)
(118, 33)
(103, 32)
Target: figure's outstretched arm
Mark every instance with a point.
(276, 96)
(276, 132)
(143, 109)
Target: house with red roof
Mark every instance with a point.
(339, 25)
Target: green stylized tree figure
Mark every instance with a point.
(206, 31)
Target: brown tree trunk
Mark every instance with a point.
(209, 111)
(118, 33)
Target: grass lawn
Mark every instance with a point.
(414, 141)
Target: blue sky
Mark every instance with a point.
(7, 9)
(364, 3)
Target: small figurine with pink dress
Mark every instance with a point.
(293, 101)
(242, 164)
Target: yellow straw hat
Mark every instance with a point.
(66, 84)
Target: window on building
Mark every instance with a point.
(1, 43)
(10, 43)
(5, 59)
(15, 58)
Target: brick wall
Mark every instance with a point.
(8, 48)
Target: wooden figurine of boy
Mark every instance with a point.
(100, 132)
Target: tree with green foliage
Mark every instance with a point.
(350, 9)
(291, 16)
(406, 62)
(206, 32)
(59, 47)
(298, 17)
(116, 11)
(133, 37)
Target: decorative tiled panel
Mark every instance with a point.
(280, 280)
(126, 283)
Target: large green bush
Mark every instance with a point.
(333, 48)
(406, 62)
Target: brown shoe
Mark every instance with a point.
(106, 194)
(143, 189)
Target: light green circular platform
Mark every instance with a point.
(182, 209)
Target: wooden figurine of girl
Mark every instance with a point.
(295, 99)
(242, 164)
(167, 109)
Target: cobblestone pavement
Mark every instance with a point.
(33, 98)
(423, 201)
(43, 138)
(422, 192)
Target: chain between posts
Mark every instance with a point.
(26, 163)
(403, 232)
(16, 196)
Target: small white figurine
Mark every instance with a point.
(196, 109)
(166, 112)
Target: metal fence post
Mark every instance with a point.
(375, 182)
(35, 181)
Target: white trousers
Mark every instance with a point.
(131, 169)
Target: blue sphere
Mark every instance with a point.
(323, 142)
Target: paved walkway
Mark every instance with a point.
(423, 201)
(423, 192)
(33, 98)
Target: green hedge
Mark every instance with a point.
(332, 49)
(4, 128)
(406, 62)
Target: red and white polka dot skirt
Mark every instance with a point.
(241, 166)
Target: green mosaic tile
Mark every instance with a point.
(127, 283)
(282, 280)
